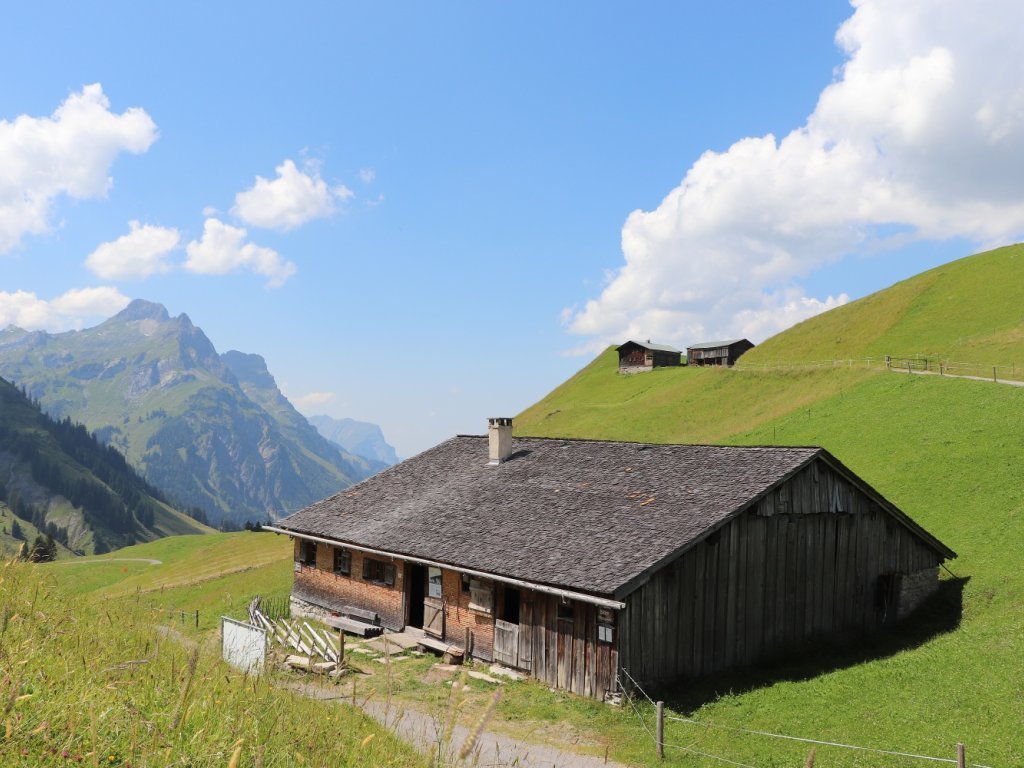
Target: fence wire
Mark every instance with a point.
(654, 737)
(768, 734)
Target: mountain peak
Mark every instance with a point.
(249, 368)
(140, 309)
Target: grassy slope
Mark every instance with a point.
(100, 682)
(971, 310)
(696, 405)
(20, 416)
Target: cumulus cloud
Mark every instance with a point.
(290, 200)
(223, 249)
(69, 310)
(137, 255)
(920, 136)
(68, 153)
(367, 175)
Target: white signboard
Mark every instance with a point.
(243, 645)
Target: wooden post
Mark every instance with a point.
(468, 644)
(940, 369)
(341, 647)
(197, 619)
(994, 374)
(961, 757)
(908, 367)
(660, 732)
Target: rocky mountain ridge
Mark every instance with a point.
(213, 431)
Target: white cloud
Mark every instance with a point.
(290, 200)
(137, 255)
(223, 249)
(312, 400)
(921, 136)
(69, 310)
(69, 153)
(367, 175)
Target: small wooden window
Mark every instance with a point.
(433, 582)
(307, 552)
(342, 561)
(465, 583)
(481, 595)
(605, 625)
(378, 572)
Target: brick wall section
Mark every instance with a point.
(320, 588)
(915, 587)
(458, 617)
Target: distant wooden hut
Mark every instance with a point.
(639, 355)
(717, 352)
(588, 563)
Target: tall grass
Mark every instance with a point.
(102, 685)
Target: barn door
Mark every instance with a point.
(433, 617)
(526, 636)
(506, 643)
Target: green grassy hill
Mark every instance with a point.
(948, 451)
(967, 311)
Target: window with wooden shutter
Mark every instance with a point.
(481, 595)
(342, 561)
(307, 552)
(378, 572)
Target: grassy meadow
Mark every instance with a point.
(108, 682)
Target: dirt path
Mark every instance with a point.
(989, 379)
(495, 749)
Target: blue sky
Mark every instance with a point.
(462, 202)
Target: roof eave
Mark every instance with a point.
(571, 594)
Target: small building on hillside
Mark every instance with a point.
(638, 356)
(577, 560)
(717, 352)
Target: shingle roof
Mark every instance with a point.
(716, 344)
(579, 514)
(648, 345)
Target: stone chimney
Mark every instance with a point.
(499, 439)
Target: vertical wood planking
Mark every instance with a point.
(699, 587)
(732, 592)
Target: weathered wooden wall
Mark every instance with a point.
(804, 563)
(566, 654)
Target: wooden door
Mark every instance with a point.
(506, 643)
(526, 636)
(433, 617)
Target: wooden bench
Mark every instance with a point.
(357, 621)
(354, 626)
(450, 653)
(360, 614)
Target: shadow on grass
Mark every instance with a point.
(940, 614)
